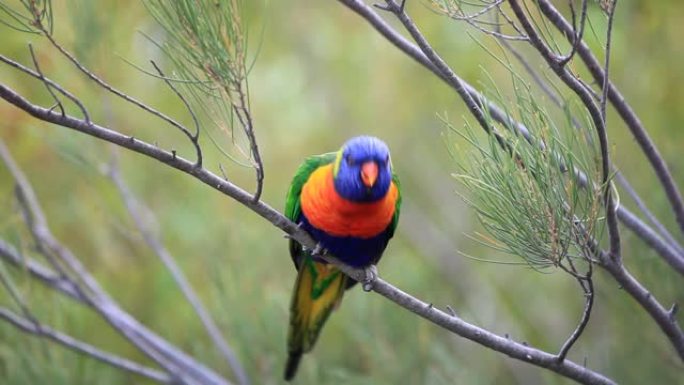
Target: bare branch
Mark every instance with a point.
(587, 284)
(58, 103)
(40, 272)
(578, 35)
(194, 138)
(662, 316)
(90, 293)
(595, 113)
(367, 13)
(497, 114)
(483, 337)
(87, 350)
(441, 66)
(48, 83)
(244, 116)
(517, 350)
(649, 215)
(625, 111)
(135, 209)
(652, 239)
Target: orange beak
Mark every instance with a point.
(369, 173)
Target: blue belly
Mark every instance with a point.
(356, 252)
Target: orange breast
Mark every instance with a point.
(326, 210)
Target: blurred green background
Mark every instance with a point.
(323, 75)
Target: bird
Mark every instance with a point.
(349, 202)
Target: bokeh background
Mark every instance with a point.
(321, 76)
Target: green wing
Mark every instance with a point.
(397, 207)
(292, 202)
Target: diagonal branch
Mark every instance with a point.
(657, 311)
(674, 257)
(40, 272)
(450, 322)
(594, 111)
(382, 27)
(135, 209)
(87, 350)
(625, 111)
(649, 215)
(175, 361)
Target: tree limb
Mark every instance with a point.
(88, 291)
(455, 324)
(674, 333)
(625, 111)
(382, 27)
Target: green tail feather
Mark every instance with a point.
(318, 289)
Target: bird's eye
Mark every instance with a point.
(349, 160)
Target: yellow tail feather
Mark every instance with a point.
(318, 290)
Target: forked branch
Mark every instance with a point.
(453, 323)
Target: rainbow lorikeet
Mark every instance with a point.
(349, 202)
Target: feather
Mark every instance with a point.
(318, 290)
(352, 221)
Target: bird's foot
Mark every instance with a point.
(371, 274)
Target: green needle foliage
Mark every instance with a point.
(206, 41)
(21, 15)
(526, 195)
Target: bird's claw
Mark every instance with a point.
(371, 274)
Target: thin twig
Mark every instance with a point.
(577, 36)
(474, 21)
(58, 103)
(383, 28)
(587, 284)
(610, 204)
(517, 350)
(244, 115)
(194, 138)
(104, 84)
(47, 82)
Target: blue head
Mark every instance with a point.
(363, 171)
